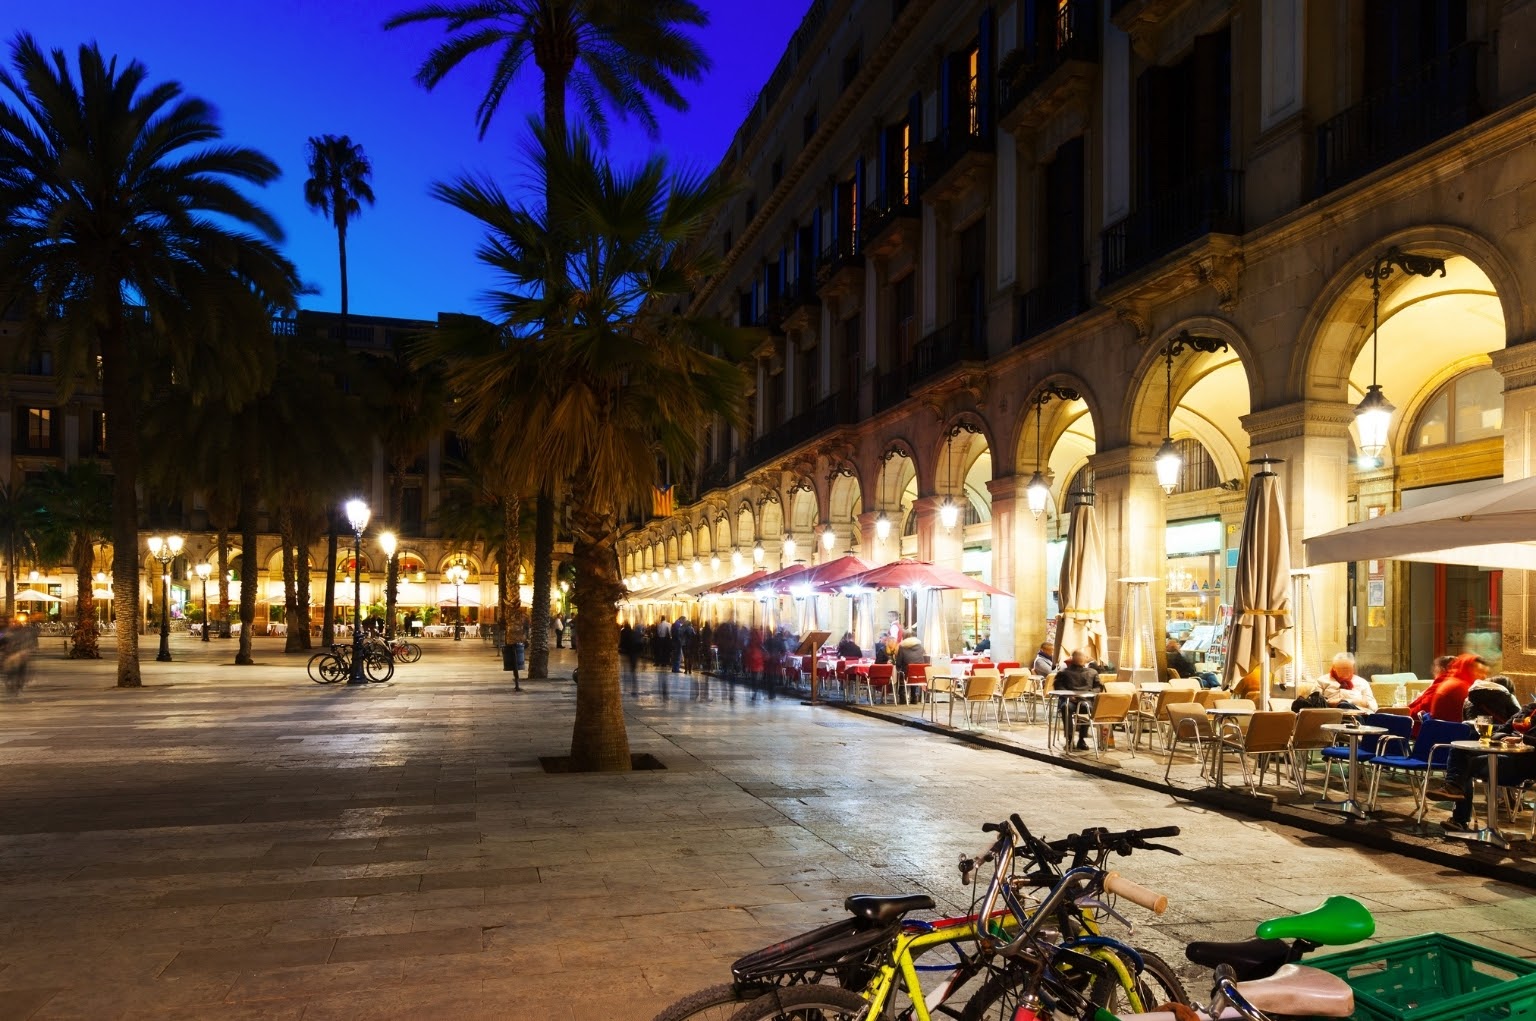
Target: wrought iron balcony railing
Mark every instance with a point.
(1055, 300)
(1073, 35)
(1208, 203)
(950, 146)
(802, 428)
(1410, 113)
(884, 211)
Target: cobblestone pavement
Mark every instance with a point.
(241, 843)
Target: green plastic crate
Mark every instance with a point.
(1435, 978)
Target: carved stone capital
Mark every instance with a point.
(1517, 364)
(1323, 419)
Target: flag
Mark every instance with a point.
(661, 501)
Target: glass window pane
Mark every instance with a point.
(1431, 430)
(1479, 405)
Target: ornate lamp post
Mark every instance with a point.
(357, 517)
(165, 549)
(203, 571)
(1167, 461)
(457, 575)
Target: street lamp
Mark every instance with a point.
(1038, 493)
(390, 545)
(357, 517)
(203, 571)
(1373, 415)
(165, 549)
(1167, 461)
(458, 574)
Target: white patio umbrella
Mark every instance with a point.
(1261, 592)
(932, 628)
(1080, 625)
(101, 593)
(32, 595)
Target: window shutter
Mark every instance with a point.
(915, 119)
(986, 43)
(816, 231)
(858, 203)
(1211, 88)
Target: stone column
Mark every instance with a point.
(1018, 566)
(1131, 511)
(1517, 365)
(870, 546)
(1312, 437)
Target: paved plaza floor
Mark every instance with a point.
(237, 842)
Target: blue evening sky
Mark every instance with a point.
(280, 71)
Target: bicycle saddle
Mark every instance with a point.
(1338, 921)
(1298, 991)
(884, 910)
(1249, 959)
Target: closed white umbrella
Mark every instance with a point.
(1080, 624)
(1261, 596)
(933, 629)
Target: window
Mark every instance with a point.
(1198, 470)
(410, 510)
(1469, 407)
(973, 90)
(904, 318)
(35, 430)
(851, 64)
(94, 443)
(808, 127)
(39, 363)
(810, 373)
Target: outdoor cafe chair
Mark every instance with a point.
(1208, 697)
(1109, 710)
(917, 677)
(1400, 729)
(941, 686)
(1152, 714)
(981, 692)
(881, 676)
(1016, 684)
(1115, 687)
(1308, 737)
(1187, 722)
(1266, 740)
(1431, 751)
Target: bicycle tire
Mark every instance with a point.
(379, 668)
(334, 669)
(812, 1002)
(412, 653)
(713, 1003)
(314, 668)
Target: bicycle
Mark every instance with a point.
(336, 665)
(404, 650)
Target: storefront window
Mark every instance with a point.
(1469, 407)
(1193, 582)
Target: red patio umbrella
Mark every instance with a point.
(759, 581)
(741, 584)
(916, 574)
(824, 574)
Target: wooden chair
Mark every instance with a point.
(1110, 709)
(1114, 687)
(1208, 697)
(1184, 683)
(1187, 721)
(1016, 685)
(1308, 737)
(882, 676)
(981, 692)
(1267, 738)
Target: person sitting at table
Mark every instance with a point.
(1513, 771)
(910, 651)
(984, 643)
(885, 648)
(1341, 685)
(1492, 699)
(1444, 698)
(1180, 665)
(1076, 675)
(1045, 660)
(848, 648)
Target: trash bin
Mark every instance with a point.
(512, 656)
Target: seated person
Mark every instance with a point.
(1180, 665)
(1492, 699)
(1341, 684)
(848, 648)
(1446, 695)
(909, 651)
(1076, 675)
(885, 648)
(1249, 685)
(984, 644)
(1514, 770)
(1045, 660)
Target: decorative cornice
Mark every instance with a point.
(1517, 365)
(1330, 419)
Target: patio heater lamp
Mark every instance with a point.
(1167, 460)
(1373, 415)
(357, 517)
(1038, 493)
(165, 549)
(458, 574)
(203, 571)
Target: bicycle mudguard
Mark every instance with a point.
(843, 942)
(1336, 922)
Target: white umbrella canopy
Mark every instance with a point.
(32, 595)
(1084, 582)
(1493, 527)
(1261, 593)
(101, 593)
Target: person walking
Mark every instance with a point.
(559, 623)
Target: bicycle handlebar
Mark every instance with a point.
(1118, 885)
(969, 863)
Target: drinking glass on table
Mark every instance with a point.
(1484, 726)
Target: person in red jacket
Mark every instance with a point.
(1444, 698)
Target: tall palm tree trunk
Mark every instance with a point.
(301, 584)
(84, 645)
(543, 568)
(328, 627)
(118, 394)
(599, 740)
(223, 631)
(250, 495)
(290, 580)
(510, 567)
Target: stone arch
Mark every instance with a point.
(899, 448)
(845, 501)
(962, 438)
(746, 525)
(464, 557)
(1328, 342)
(1211, 394)
(1023, 438)
(685, 545)
(1069, 434)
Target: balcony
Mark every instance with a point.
(964, 340)
(1210, 203)
(798, 304)
(718, 474)
(1407, 115)
(1036, 81)
(841, 270)
(826, 415)
(1057, 299)
(890, 223)
(957, 159)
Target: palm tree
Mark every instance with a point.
(113, 191)
(612, 54)
(18, 521)
(482, 506)
(627, 379)
(73, 516)
(338, 185)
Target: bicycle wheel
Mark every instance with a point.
(334, 668)
(379, 667)
(805, 1003)
(1157, 984)
(315, 668)
(714, 1003)
(411, 653)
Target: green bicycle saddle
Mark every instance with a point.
(1338, 921)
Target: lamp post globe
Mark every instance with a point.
(357, 517)
(390, 545)
(457, 575)
(165, 549)
(203, 571)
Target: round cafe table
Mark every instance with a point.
(1489, 834)
(1351, 732)
(1219, 717)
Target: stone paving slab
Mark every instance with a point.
(244, 844)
